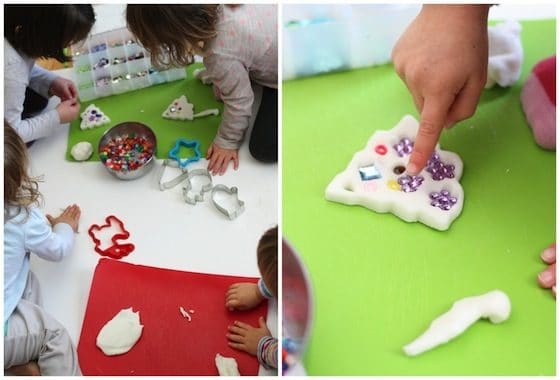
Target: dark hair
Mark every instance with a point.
(20, 190)
(43, 31)
(267, 259)
(172, 33)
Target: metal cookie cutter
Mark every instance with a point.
(190, 196)
(236, 210)
(175, 181)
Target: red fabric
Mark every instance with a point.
(545, 70)
(170, 344)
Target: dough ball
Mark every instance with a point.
(81, 151)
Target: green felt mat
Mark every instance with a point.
(153, 101)
(379, 281)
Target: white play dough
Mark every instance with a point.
(494, 305)
(380, 191)
(181, 109)
(81, 151)
(226, 366)
(505, 54)
(201, 75)
(121, 333)
(93, 117)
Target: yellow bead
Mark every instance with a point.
(393, 185)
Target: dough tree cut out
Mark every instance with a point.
(375, 178)
(93, 117)
(181, 109)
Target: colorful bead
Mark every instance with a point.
(367, 173)
(126, 153)
(398, 170)
(438, 169)
(442, 199)
(404, 147)
(409, 183)
(381, 149)
(393, 185)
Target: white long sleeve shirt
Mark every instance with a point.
(25, 234)
(21, 72)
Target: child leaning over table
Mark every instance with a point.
(34, 342)
(257, 341)
(239, 46)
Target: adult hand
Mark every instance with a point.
(63, 88)
(219, 159)
(70, 216)
(245, 337)
(442, 58)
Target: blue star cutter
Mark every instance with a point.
(173, 153)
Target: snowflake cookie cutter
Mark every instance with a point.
(174, 152)
(115, 251)
(230, 212)
(173, 182)
(190, 196)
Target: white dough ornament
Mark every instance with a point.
(93, 117)
(82, 151)
(494, 305)
(121, 333)
(226, 366)
(181, 109)
(375, 178)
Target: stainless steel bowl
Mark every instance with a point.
(125, 129)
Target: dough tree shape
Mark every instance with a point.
(93, 117)
(375, 178)
(181, 109)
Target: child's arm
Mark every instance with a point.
(232, 79)
(442, 57)
(54, 243)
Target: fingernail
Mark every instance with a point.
(545, 277)
(548, 254)
(412, 168)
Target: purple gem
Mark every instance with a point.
(410, 183)
(438, 169)
(91, 118)
(442, 200)
(404, 147)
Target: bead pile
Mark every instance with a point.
(410, 183)
(443, 200)
(404, 147)
(438, 169)
(126, 153)
(290, 352)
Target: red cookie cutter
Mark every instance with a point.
(116, 251)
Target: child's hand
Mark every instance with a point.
(243, 296)
(245, 337)
(219, 159)
(63, 88)
(442, 58)
(547, 278)
(68, 110)
(70, 216)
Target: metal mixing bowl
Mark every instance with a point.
(126, 129)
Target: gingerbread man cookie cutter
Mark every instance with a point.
(173, 182)
(231, 212)
(115, 251)
(190, 196)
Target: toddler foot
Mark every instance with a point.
(28, 369)
(243, 296)
(547, 278)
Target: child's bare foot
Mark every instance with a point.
(243, 296)
(27, 369)
(245, 337)
(70, 216)
(547, 278)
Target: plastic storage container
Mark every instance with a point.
(112, 62)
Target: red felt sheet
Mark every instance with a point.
(169, 345)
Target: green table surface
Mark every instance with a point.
(146, 106)
(379, 281)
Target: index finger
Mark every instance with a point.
(432, 122)
(73, 90)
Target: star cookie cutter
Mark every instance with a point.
(175, 181)
(116, 251)
(190, 196)
(233, 212)
(174, 152)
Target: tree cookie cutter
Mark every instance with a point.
(116, 251)
(175, 181)
(174, 152)
(190, 196)
(233, 212)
